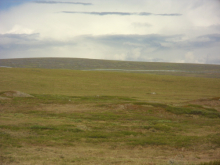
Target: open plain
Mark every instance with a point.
(65, 116)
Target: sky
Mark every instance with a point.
(179, 31)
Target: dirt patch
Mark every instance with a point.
(4, 98)
(213, 102)
(15, 94)
(125, 106)
(67, 108)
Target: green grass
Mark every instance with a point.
(206, 112)
(38, 121)
(108, 84)
(211, 163)
(107, 118)
(139, 118)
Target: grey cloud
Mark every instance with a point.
(200, 42)
(99, 13)
(158, 42)
(211, 37)
(174, 14)
(152, 47)
(207, 40)
(59, 2)
(215, 27)
(119, 13)
(27, 41)
(145, 13)
(20, 36)
(134, 41)
(151, 38)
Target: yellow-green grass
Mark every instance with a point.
(148, 87)
(83, 117)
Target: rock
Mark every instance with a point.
(83, 127)
(16, 94)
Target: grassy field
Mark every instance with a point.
(91, 117)
(159, 88)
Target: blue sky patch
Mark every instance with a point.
(6, 4)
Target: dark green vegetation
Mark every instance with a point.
(211, 163)
(203, 70)
(88, 117)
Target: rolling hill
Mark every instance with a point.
(202, 70)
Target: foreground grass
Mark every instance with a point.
(59, 129)
(211, 163)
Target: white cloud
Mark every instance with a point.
(189, 57)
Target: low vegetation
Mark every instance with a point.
(114, 123)
(101, 126)
(211, 163)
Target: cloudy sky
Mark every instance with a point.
(182, 31)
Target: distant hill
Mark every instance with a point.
(93, 64)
